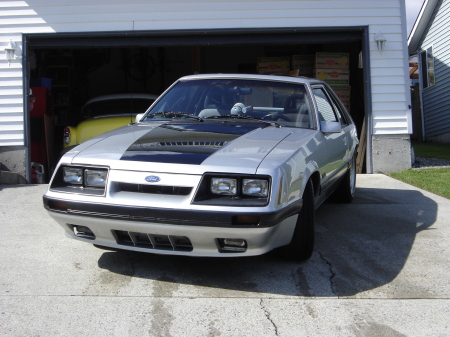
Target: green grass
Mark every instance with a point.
(434, 180)
(431, 150)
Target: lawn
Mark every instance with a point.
(435, 180)
(431, 150)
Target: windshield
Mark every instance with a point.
(119, 106)
(284, 103)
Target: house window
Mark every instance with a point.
(427, 65)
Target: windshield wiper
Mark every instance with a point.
(174, 114)
(243, 117)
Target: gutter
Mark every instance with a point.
(415, 37)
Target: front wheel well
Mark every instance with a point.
(315, 178)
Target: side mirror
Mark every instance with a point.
(139, 117)
(330, 127)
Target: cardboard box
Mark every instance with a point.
(332, 60)
(302, 61)
(274, 65)
(333, 76)
(303, 72)
(304, 64)
(342, 91)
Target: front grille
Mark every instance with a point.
(154, 189)
(153, 241)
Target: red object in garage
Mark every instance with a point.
(41, 127)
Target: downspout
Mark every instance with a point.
(422, 117)
(406, 70)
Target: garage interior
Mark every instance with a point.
(64, 71)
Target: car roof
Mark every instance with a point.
(121, 96)
(277, 78)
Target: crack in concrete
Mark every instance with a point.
(333, 274)
(267, 313)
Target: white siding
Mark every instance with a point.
(11, 95)
(388, 69)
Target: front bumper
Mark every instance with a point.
(160, 231)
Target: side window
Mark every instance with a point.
(339, 113)
(326, 112)
(427, 67)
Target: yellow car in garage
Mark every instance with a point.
(105, 113)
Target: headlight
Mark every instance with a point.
(255, 187)
(73, 175)
(78, 179)
(240, 190)
(223, 186)
(84, 177)
(95, 178)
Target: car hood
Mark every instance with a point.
(191, 148)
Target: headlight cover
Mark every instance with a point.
(255, 187)
(224, 186)
(80, 179)
(73, 175)
(95, 178)
(241, 190)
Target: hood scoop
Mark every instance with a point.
(212, 144)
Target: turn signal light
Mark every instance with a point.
(247, 220)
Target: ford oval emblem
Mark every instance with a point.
(152, 179)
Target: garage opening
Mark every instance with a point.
(67, 70)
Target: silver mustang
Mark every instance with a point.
(219, 165)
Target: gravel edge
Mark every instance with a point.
(430, 163)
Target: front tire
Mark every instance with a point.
(346, 190)
(302, 243)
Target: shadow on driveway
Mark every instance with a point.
(359, 247)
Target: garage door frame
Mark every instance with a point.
(203, 37)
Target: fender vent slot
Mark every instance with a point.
(153, 241)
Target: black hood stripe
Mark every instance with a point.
(184, 143)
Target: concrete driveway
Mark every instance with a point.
(381, 267)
